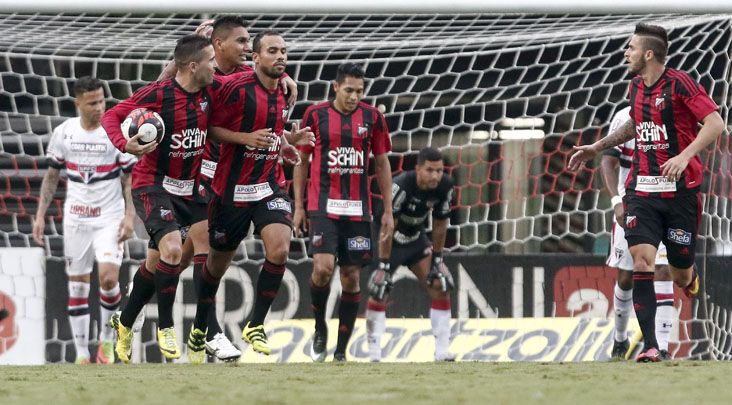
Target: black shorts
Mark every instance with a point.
(410, 253)
(673, 221)
(349, 241)
(228, 225)
(163, 213)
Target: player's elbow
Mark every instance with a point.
(715, 123)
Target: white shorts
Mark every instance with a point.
(85, 242)
(620, 254)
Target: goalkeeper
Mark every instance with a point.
(414, 194)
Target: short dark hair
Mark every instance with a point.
(224, 24)
(256, 44)
(188, 49)
(86, 84)
(654, 38)
(429, 153)
(349, 69)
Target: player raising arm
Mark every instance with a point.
(614, 167)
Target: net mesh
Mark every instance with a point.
(459, 82)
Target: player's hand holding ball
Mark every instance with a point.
(144, 129)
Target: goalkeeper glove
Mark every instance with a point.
(438, 271)
(380, 281)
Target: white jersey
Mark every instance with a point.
(93, 167)
(625, 151)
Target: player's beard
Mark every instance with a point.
(273, 72)
(637, 68)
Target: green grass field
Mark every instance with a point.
(501, 383)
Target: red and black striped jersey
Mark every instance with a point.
(211, 152)
(666, 115)
(245, 174)
(174, 165)
(339, 181)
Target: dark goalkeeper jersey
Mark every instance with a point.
(411, 205)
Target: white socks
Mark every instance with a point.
(375, 328)
(440, 319)
(79, 316)
(623, 304)
(108, 304)
(665, 312)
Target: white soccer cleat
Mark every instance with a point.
(445, 357)
(222, 348)
(374, 349)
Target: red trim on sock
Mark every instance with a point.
(443, 304)
(319, 288)
(78, 302)
(172, 269)
(110, 300)
(375, 306)
(270, 267)
(351, 296)
(208, 277)
(661, 297)
(200, 258)
(144, 272)
(642, 276)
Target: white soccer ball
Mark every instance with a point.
(145, 122)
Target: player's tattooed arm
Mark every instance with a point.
(48, 189)
(585, 153)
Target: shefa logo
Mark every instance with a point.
(280, 204)
(359, 243)
(191, 138)
(346, 156)
(648, 131)
(679, 236)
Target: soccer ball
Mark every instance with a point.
(145, 122)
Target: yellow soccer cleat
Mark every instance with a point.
(168, 344)
(196, 346)
(124, 339)
(256, 337)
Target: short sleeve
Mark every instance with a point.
(381, 137)
(56, 151)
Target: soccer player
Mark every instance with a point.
(615, 165)
(98, 213)
(163, 183)
(662, 201)
(339, 199)
(249, 185)
(415, 194)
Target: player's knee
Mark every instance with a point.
(625, 279)
(171, 252)
(642, 264)
(107, 281)
(350, 280)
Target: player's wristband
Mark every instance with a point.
(616, 200)
(437, 257)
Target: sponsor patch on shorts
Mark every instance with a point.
(359, 243)
(679, 236)
(280, 204)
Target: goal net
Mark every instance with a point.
(505, 97)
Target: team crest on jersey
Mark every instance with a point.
(660, 102)
(280, 204)
(86, 172)
(204, 106)
(359, 243)
(285, 113)
(362, 130)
